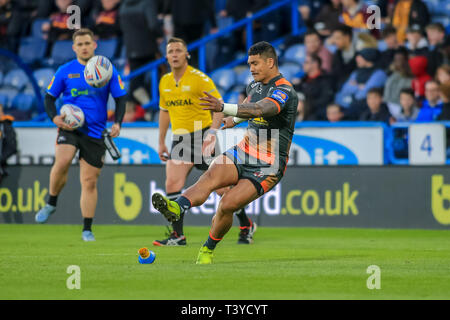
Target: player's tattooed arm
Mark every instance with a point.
(261, 108)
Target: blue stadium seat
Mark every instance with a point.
(36, 28)
(43, 77)
(32, 49)
(1, 78)
(295, 53)
(3, 100)
(7, 96)
(61, 53)
(121, 61)
(16, 78)
(244, 77)
(290, 68)
(231, 97)
(225, 78)
(23, 102)
(107, 48)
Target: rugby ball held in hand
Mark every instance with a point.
(74, 116)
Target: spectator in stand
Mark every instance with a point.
(389, 35)
(417, 44)
(409, 110)
(327, 20)
(355, 15)
(141, 35)
(314, 45)
(418, 65)
(432, 105)
(376, 109)
(106, 20)
(316, 87)
(386, 10)
(365, 77)
(57, 29)
(6, 11)
(238, 10)
(445, 114)
(309, 9)
(365, 40)
(400, 78)
(343, 62)
(8, 141)
(408, 13)
(444, 90)
(436, 39)
(334, 113)
(443, 74)
(190, 19)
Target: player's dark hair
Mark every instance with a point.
(312, 31)
(378, 91)
(82, 32)
(345, 30)
(408, 91)
(388, 31)
(264, 49)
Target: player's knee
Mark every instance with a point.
(228, 205)
(89, 182)
(174, 184)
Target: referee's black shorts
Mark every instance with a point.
(92, 150)
(188, 148)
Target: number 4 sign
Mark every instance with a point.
(427, 144)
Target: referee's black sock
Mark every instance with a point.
(52, 200)
(244, 221)
(87, 224)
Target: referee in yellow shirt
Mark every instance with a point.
(194, 133)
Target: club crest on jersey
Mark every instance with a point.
(280, 96)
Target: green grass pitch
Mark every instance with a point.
(283, 263)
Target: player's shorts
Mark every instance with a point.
(188, 148)
(263, 176)
(92, 150)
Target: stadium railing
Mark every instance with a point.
(200, 45)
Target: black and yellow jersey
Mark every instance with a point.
(260, 141)
(182, 102)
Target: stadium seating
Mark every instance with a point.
(23, 102)
(1, 77)
(36, 28)
(295, 53)
(32, 49)
(224, 78)
(290, 70)
(244, 77)
(231, 97)
(16, 78)
(61, 53)
(107, 48)
(43, 77)
(7, 96)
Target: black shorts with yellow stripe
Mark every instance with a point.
(263, 175)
